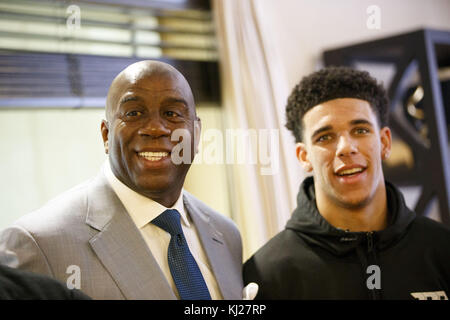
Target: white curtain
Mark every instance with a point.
(255, 91)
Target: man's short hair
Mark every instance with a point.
(334, 83)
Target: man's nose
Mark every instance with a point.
(154, 127)
(346, 146)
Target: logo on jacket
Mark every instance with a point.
(432, 295)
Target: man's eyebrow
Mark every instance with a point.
(322, 129)
(129, 98)
(329, 127)
(175, 100)
(361, 121)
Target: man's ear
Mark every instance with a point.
(197, 133)
(105, 130)
(302, 156)
(386, 142)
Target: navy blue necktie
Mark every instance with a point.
(185, 271)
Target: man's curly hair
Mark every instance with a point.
(333, 83)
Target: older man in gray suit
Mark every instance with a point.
(107, 236)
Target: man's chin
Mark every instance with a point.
(157, 185)
(150, 188)
(353, 202)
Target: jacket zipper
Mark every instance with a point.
(369, 242)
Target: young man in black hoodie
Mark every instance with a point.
(351, 235)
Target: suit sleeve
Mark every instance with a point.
(19, 249)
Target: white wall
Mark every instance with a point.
(44, 152)
(302, 29)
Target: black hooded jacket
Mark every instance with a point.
(311, 259)
(18, 284)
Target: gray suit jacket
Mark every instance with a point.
(88, 227)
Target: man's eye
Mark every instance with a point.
(325, 137)
(361, 130)
(133, 113)
(172, 114)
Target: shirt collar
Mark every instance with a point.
(141, 209)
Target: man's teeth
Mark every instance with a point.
(153, 156)
(349, 171)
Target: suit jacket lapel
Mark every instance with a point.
(215, 248)
(121, 248)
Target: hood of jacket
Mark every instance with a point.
(309, 224)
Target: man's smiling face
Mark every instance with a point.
(144, 108)
(343, 146)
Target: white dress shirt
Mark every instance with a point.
(142, 210)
